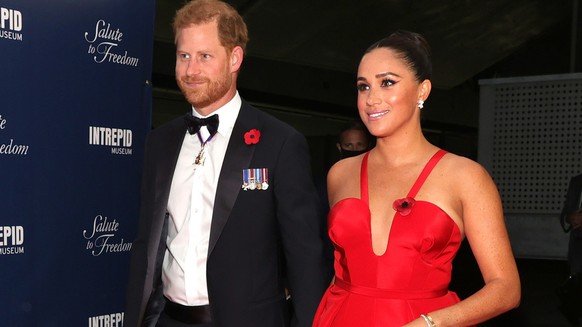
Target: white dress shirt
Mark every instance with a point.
(190, 208)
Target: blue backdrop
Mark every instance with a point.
(75, 106)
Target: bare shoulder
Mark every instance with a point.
(345, 166)
(464, 189)
(465, 168)
(340, 167)
(467, 177)
(343, 179)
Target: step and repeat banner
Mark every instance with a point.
(75, 107)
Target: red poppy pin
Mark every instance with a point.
(252, 136)
(403, 206)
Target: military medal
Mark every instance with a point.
(259, 178)
(255, 179)
(252, 180)
(200, 158)
(265, 178)
(245, 184)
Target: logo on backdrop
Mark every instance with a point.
(11, 240)
(10, 24)
(101, 237)
(110, 320)
(10, 148)
(120, 140)
(104, 45)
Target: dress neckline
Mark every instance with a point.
(415, 187)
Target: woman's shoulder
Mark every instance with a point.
(466, 175)
(463, 165)
(344, 177)
(347, 166)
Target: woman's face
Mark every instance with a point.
(388, 93)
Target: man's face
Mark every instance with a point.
(204, 68)
(353, 140)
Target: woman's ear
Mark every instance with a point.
(424, 90)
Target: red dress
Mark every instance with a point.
(410, 278)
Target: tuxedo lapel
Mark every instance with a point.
(167, 151)
(238, 157)
(168, 159)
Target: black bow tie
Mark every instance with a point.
(193, 123)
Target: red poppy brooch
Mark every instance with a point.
(404, 206)
(252, 136)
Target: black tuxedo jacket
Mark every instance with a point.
(261, 241)
(572, 204)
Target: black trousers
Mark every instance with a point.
(166, 321)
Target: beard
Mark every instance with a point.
(207, 94)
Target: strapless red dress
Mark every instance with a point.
(410, 278)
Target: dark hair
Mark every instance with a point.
(232, 30)
(412, 48)
(357, 126)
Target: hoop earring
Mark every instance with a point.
(420, 104)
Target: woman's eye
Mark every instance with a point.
(362, 87)
(388, 82)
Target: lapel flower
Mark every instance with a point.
(403, 206)
(252, 136)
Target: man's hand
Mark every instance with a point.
(575, 219)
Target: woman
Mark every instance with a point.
(400, 211)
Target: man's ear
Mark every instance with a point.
(236, 59)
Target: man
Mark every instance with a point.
(354, 139)
(229, 213)
(571, 220)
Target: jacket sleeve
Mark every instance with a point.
(308, 273)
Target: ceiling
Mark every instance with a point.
(306, 52)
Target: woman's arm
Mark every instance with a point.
(484, 227)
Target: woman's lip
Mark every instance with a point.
(378, 115)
